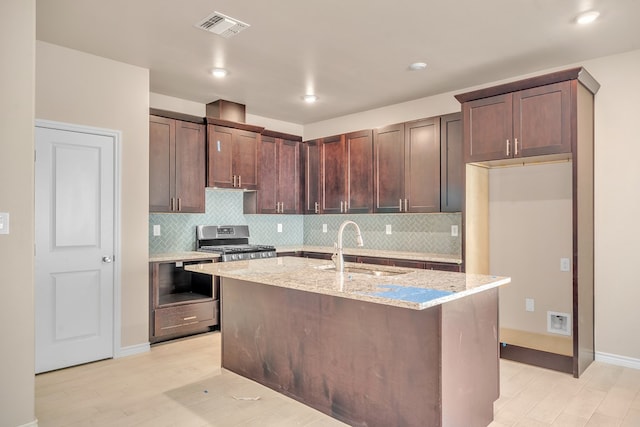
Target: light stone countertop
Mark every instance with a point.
(417, 289)
(413, 256)
(182, 256)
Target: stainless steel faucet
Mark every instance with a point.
(338, 258)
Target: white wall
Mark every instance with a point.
(17, 53)
(79, 88)
(617, 177)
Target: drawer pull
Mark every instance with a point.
(190, 318)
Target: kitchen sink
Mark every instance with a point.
(371, 271)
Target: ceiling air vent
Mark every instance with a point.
(222, 25)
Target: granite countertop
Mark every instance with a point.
(182, 256)
(417, 289)
(413, 256)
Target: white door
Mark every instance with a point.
(74, 228)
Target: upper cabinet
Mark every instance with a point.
(176, 165)
(338, 174)
(451, 163)
(279, 176)
(232, 156)
(411, 173)
(524, 123)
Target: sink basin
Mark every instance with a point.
(373, 271)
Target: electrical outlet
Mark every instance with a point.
(156, 230)
(324, 228)
(454, 231)
(388, 229)
(529, 304)
(4, 222)
(279, 228)
(565, 264)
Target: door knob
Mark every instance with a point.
(107, 259)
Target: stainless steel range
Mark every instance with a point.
(231, 242)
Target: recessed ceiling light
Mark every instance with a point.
(587, 17)
(310, 98)
(417, 66)
(219, 72)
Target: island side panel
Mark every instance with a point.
(470, 362)
(362, 363)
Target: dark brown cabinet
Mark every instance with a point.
(451, 163)
(279, 176)
(176, 165)
(338, 174)
(407, 167)
(180, 302)
(311, 160)
(525, 123)
(232, 157)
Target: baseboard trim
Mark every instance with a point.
(33, 423)
(132, 349)
(614, 359)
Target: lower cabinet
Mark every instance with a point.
(428, 265)
(181, 303)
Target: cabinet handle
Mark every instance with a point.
(190, 318)
(515, 151)
(406, 205)
(281, 207)
(234, 180)
(508, 148)
(171, 204)
(341, 203)
(316, 207)
(400, 205)
(239, 180)
(179, 204)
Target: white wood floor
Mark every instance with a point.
(181, 384)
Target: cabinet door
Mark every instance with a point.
(245, 159)
(219, 156)
(288, 183)
(190, 167)
(451, 163)
(359, 152)
(422, 165)
(388, 168)
(161, 163)
(268, 173)
(542, 120)
(333, 163)
(488, 128)
(311, 154)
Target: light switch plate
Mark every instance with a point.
(279, 228)
(324, 228)
(565, 264)
(388, 229)
(156, 230)
(4, 222)
(454, 231)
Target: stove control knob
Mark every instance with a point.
(252, 255)
(234, 257)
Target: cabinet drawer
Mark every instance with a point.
(181, 318)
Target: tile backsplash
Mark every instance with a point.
(409, 232)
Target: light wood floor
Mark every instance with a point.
(181, 384)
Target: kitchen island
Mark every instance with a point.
(372, 346)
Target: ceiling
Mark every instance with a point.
(353, 54)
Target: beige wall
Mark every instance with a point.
(617, 176)
(178, 105)
(17, 53)
(78, 88)
(530, 229)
